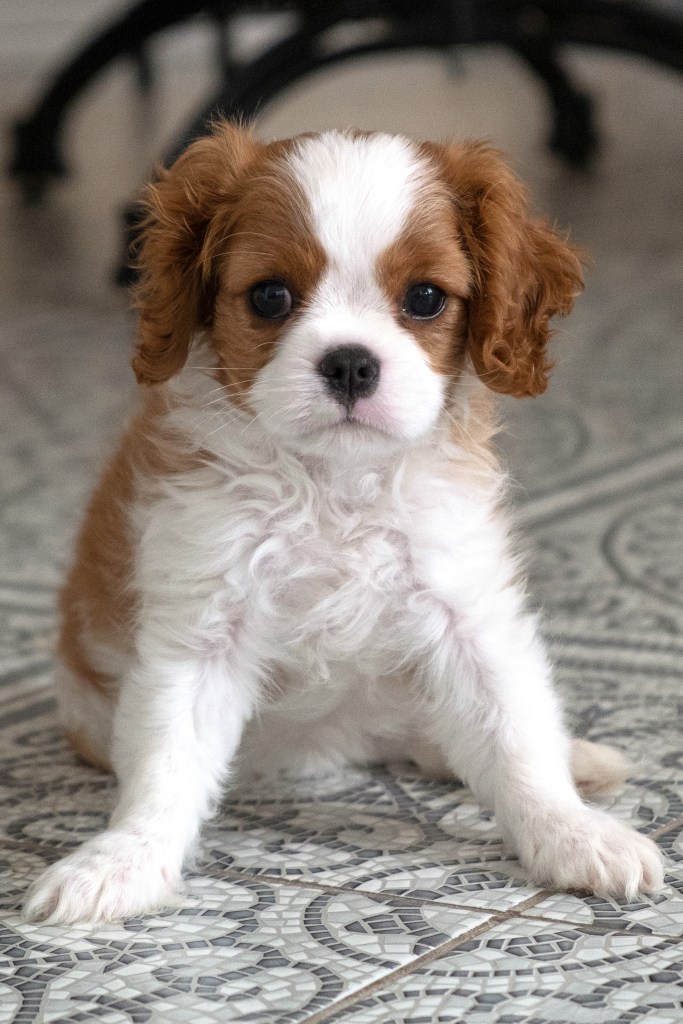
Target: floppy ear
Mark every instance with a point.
(523, 273)
(176, 286)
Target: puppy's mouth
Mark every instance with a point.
(348, 424)
(350, 419)
(352, 422)
(348, 429)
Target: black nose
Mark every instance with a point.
(350, 372)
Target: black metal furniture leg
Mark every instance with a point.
(573, 135)
(37, 153)
(144, 69)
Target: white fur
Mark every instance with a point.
(325, 591)
(360, 193)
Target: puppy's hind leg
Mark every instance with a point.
(596, 768)
(431, 759)
(86, 715)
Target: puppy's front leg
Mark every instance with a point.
(177, 726)
(500, 728)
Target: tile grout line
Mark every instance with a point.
(400, 972)
(368, 893)
(663, 829)
(519, 909)
(434, 954)
(559, 922)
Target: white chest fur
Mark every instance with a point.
(308, 568)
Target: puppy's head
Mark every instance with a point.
(346, 281)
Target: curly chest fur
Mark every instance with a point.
(315, 574)
(330, 588)
(339, 593)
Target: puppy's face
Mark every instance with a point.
(345, 281)
(340, 313)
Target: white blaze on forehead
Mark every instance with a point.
(360, 192)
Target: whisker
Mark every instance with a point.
(272, 390)
(291, 378)
(259, 417)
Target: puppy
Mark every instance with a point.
(298, 555)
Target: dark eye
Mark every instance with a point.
(424, 301)
(270, 299)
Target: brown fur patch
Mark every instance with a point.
(176, 291)
(429, 251)
(265, 237)
(523, 272)
(84, 751)
(98, 601)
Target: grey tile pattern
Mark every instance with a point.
(242, 950)
(370, 896)
(538, 972)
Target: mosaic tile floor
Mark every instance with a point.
(374, 896)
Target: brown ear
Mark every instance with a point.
(175, 292)
(523, 273)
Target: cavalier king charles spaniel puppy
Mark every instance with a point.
(298, 556)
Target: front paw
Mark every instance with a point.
(587, 849)
(112, 877)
